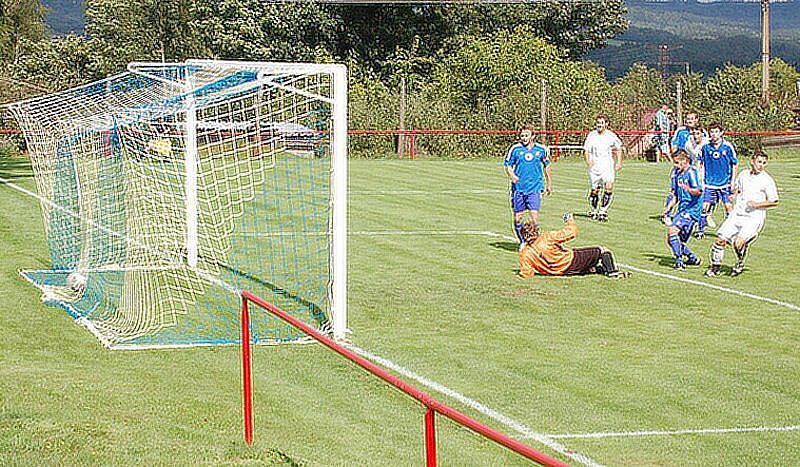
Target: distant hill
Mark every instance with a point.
(706, 35)
(65, 16)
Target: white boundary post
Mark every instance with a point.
(190, 163)
(339, 194)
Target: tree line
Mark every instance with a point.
(464, 66)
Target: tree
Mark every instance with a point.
(20, 20)
(259, 30)
(161, 30)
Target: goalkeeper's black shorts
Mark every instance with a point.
(585, 261)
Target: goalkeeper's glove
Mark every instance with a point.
(567, 217)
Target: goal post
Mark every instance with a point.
(168, 189)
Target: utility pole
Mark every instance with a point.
(543, 110)
(679, 102)
(663, 60)
(765, 51)
(401, 138)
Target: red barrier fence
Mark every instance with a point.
(554, 137)
(432, 406)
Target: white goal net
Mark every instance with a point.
(168, 189)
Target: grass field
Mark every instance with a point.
(433, 289)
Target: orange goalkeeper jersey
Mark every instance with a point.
(546, 255)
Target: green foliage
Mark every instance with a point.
(258, 30)
(733, 97)
(60, 63)
(142, 30)
(20, 20)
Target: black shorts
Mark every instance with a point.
(585, 261)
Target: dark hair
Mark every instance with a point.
(716, 125)
(529, 231)
(681, 153)
(603, 116)
(529, 127)
(760, 153)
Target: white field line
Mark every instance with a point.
(699, 431)
(753, 296)
(523, 430)
(519, 427)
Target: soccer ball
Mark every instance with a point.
(76, 282)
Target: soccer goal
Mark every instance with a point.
(170, 188)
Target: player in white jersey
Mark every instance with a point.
(600, 149)
(755, 191)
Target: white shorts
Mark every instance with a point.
(598, 179)
(743, 227)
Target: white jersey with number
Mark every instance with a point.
(754, 188)
(600, 148)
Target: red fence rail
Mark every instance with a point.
(555, 136)
(432, 406)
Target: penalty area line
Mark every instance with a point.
(521, 429)
(698, 431)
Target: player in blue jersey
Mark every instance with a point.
(527, 165)
(687, 195)
(719, 161)
(681, 140)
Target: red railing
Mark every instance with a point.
(432, 406)
(555, 135)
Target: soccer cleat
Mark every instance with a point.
(694, 261)
(602, 217)
(738, 268)
(521, 246)
(666, 220)
(592, 215)
(679, 265)
(713, 271)
(699, 235)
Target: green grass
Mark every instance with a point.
(560, 355)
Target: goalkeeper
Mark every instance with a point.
(544, 253)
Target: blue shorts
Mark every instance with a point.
(526, 201)
(716, 195)
(685, 223)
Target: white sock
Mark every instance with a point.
(717, 253)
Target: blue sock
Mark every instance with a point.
(688, 253)
(676, 245)
(701, 224)
(518, 230)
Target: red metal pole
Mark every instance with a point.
(420, 396)
(430, 438)
(556, 137)
(247, 386)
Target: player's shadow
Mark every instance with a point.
(661, 259)
(508, 246)
(580, 214)
(15, 168)
(656, 217)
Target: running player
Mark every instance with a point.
(600, 149)
(719, 162)
(687, 194)
(527, 165)
(755, 191)
(680, 140)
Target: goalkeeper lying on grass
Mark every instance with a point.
(544, 253)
